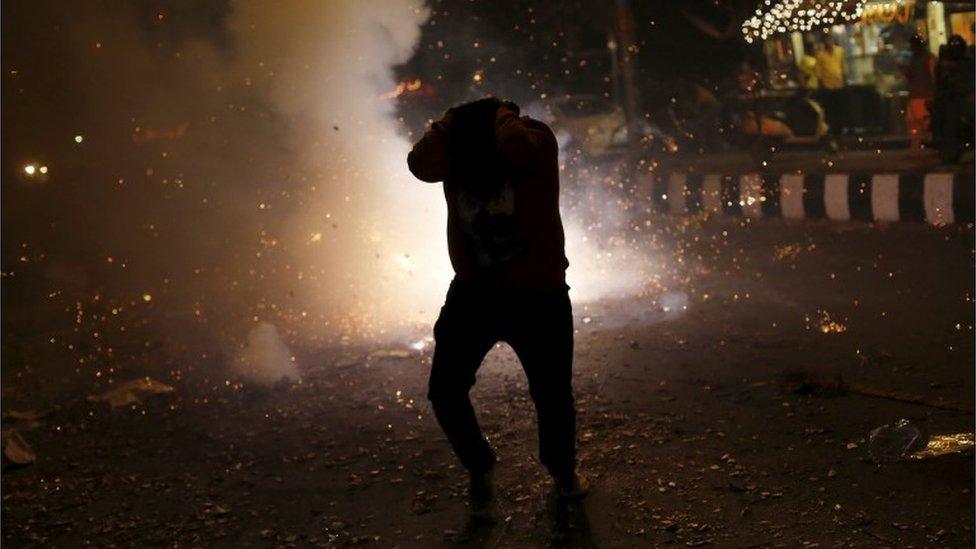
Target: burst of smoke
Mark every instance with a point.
(371, 234)
(266, 359)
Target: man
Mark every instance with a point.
(830, 64)
(808, 66)
(830, 74)
(952, 109)
(920, 77)
(506, 243)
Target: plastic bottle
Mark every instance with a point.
(895, 442)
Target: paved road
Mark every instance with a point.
(695, 424)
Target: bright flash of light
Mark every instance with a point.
(30, 169)
(79, 138)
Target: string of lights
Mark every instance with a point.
(799, 15)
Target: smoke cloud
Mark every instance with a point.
(367, 234)
(266, 359)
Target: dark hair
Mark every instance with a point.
(472, 149)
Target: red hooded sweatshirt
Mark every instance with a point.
(514, 237)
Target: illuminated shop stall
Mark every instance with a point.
(874, 37)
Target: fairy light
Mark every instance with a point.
(799, 15)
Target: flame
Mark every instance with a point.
(403, 87)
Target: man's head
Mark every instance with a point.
(471, 138)
(478, 114)
(956, 47)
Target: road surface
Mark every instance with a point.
(700, 417)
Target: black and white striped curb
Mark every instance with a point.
(938, 198)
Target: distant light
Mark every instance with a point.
(30, 169)
(42, 169)
(79, 138)
(147, 297)
(418, 345)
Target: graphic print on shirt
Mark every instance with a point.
(490, 224)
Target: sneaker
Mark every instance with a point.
(572, 489)
(481, 494)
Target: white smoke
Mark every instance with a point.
(266, 359)
(368, 235)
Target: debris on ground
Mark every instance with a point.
(943, 445)
(16, 450)
(129, 392)
(809, 383)
(895, 442)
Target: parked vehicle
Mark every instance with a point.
(598, 128)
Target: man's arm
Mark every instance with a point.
(523, 142)
(428, 159)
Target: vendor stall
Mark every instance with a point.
(874, 42)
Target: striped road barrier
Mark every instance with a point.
(938, 198)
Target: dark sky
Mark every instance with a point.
(527, 48)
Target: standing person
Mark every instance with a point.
(830, 64)
(506, 243)
(830, 73)
(920, 76)
(808, 67)
(952, 108)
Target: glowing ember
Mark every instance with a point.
(787, 252)
(828, 326)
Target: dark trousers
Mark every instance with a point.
(539, 328)
(832, 102)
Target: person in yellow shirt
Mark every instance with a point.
(830, 65)
(830, 73)
(808, 67)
